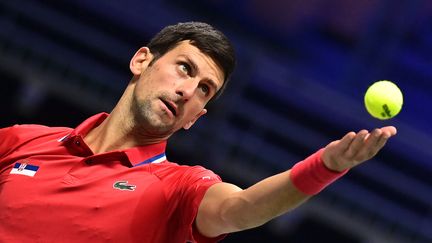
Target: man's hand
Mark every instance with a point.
(354, 149)
(226, 208)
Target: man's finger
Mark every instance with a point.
(382, 141)
(376, 141)
(346, 141)
(371, 145)
(391, 130)
(357, 143)
(374, 137)
(387, 132)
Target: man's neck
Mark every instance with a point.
(119, 130)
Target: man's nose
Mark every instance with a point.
(187, 88)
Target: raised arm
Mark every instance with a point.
(227, 208)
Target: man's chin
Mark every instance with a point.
(163, 128)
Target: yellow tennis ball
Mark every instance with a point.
(383, 99)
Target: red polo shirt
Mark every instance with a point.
(54, 189)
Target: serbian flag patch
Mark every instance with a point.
(24, 169)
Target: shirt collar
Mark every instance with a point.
(92, 122)
(83, 128)
(152, 153)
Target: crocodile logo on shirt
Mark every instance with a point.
(123, 186)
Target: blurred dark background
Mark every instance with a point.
(303, 68)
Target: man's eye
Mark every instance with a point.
(205, 88)
(185, 68)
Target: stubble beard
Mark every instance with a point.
(147, 120)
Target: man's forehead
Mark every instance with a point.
(186, 47)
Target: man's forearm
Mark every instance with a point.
(262, 202)
(227, 208)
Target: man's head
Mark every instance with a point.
(176, 75)
(207, 39)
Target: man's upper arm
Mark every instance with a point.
(210, 221)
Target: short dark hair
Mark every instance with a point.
(205, 37)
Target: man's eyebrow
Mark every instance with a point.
(212, 83)
(191, 62)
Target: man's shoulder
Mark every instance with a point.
(188, 172)
(169, 165)
(36, 128)
(17, 136)
(28, 131)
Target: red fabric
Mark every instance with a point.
(311, 176)
(72, 197)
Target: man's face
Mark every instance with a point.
(172, 92)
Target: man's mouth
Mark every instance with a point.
(171, 106)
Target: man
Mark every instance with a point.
(109, 179)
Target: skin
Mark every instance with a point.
(186, 79)
(227, 208)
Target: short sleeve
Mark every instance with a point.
(199, 181)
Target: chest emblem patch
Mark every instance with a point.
(21, 168)
(123, 186)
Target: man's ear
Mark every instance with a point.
(140, 60)
(190, 123)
